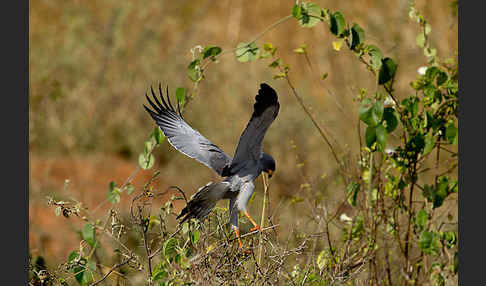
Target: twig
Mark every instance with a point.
(256, 38)
(265, 189)
(323, 135)
(111, 270)
(410, 214)
(160, 249)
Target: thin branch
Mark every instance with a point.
(321, 131)
(111, 270)
(265, 189)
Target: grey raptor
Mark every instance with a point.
(238, 173)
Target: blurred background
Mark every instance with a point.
(92, 61)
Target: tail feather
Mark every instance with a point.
(202, 202)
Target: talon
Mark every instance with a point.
(256, 226)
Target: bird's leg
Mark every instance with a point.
(256, 226)
(238, 236)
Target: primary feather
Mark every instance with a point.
(265, 110)
(183, 137)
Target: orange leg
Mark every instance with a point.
(238, 236)
(256, 226)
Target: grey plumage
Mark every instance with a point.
(240, 172)
(183, 137)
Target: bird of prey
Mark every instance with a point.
(238, 172)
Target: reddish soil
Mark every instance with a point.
(56, 236)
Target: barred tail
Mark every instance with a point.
(202, 202)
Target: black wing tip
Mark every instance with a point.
(164, 105)
(266, 97)
(267, 94)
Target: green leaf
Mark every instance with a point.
(79, 273)
(431, 73)
(390, 118)
(357, 36)
(421, 218)
(381, 137)
(88, 233)
(420, 40)
(370, 136)
(441, 78)
(114, 193)
(297, 11)
(296, 200)
(322, 259)
(246, 52)
(451, 133)
(411, 104)
(377, 112)
(427, 29)
(387, 70)
(185, 227)
(280, 75)
(337, 23)
(370, 113)
(193, 70)
(195, 235)
(438, 193)
(178, 258)
(429, 143)
(211, 51)
(376, 56)
(268, 51)
(352, 193)
(428, 52)
(275, 63)
(268, 47)
(307, 11)
(160, 275)
(159, 271)
(336, 45)
(301, 49)
(73, 255)
(169, 248)
(146, 161)
(364, 110)
(158, 135)
(88, 275)
(147, 147)
(324, 76)
(129, 188)
(449, 238)
(428, 242)
(181, 95)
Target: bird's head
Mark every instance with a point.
(268, 164)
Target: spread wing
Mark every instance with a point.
(265, 111)
(183, 137)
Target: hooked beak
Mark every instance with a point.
(270, 173)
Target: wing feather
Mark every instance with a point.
(265, 110)
(182, 136)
